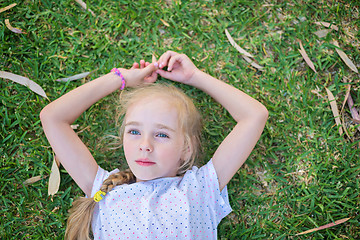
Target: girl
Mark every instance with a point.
(162, 195)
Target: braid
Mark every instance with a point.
(78, 224)
(116, 179)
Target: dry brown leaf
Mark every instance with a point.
(7, 7)
(322, 33)
(345, 58)
(11, 28)
(57, 161)
(353, 111)
(356, 121)
(165, 23)
(83, 5)
(344, 127)
(324, 226)
(24, 81)
(75, 77)
(254, 64)
(305, 56)
(334, 110)
(346, 97)
(32, 180)
(54, 179)
(234, 44)
(326, 24)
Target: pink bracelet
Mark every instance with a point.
(117, 72)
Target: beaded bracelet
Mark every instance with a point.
(117, 72)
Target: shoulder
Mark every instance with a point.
(101, 175)
(202, 176)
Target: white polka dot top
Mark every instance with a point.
(188, 207)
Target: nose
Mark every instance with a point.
(146, 145)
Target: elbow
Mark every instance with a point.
(260, 115)
(45, 114)
(263, 114)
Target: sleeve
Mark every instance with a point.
(101, 175)
(219, 201)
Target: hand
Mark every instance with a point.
(135, 76)
(179, 67)
(150, 78)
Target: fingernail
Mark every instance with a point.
(156, 64)
(161, 65)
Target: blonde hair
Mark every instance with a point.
(79, 221)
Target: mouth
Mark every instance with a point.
(144, 162)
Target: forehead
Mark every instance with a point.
(153, 110)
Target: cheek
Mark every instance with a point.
(172, 152)
(127, 146)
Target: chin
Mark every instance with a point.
(143, 178)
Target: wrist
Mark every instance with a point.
(117, 72)
(196, 78)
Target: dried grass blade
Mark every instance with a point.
(75, 77)
(324, 226)
(83, 5)
(254, 64)
(11, 28)
(7, 7)
(234, 44)
(334, 110)
(306, 57)
(24, 81)
(165, 23)
(345, 58)
(322, 33)
(54, 179)
(32, 180)
(326, 24)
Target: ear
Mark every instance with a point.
(187, 152)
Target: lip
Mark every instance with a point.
(144, 162)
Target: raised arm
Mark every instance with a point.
(57, 117)
(249, 114)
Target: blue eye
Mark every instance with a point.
(162, 135)
(134, 132)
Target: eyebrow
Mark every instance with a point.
(158, 125)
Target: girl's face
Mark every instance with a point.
(153, 141)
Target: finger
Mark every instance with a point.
(164, 74)
(142, 63)
(147, 64)
(135, 65)
(152, 78)
(163, 60)
(148, 70)
(177, 58)
(153, 58)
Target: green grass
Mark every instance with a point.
(302, 173)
